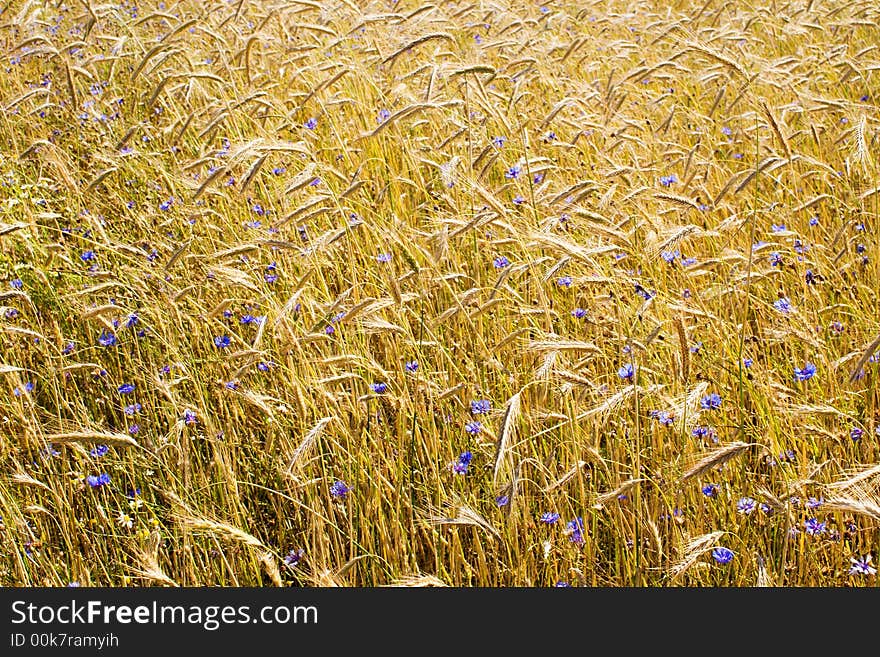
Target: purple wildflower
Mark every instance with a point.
(339, 489)
(746, 505)
(722, 555)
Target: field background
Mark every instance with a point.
(366, 293)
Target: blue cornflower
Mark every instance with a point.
(807, 372)
(710, 490)
(666, 181)
(711, 402)
(339, 489)
(126, 388)
(665, 418)
(28, 387)
(747, 362)
(294, 557)
(788, 455)
(99, 451)
(412, 366)
(814, 221)
(642, 292)
(814, 527)
(777, 228)
(549, 517)
(746, 505)
(862, 566)
(279, 170)
(578, 313)
(501, 262)
(384, 115)
(519, 199)
(480, 406)
(106, 339)
(132, 409)
(815, 502)
(379, 388)
(810, 277)
(670, 256)
(775, 259)
(87, 256)
(461, 465)
(856, 433)
(189, 417)
(131, 320)
(384, 257)
(96, 482)
(312, 123)
(564, 281)
(783, 305)
(513, 172)
(722, 555)
(575, 530)
(474, 427)
(222, 341)
(166, 205)
(16, 284)
(502, 500)
(726, 131)
(626, 372)
(498, 142)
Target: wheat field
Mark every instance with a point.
(342, 293)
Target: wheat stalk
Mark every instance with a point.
(716, 458)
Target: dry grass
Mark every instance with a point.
(310, 236)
